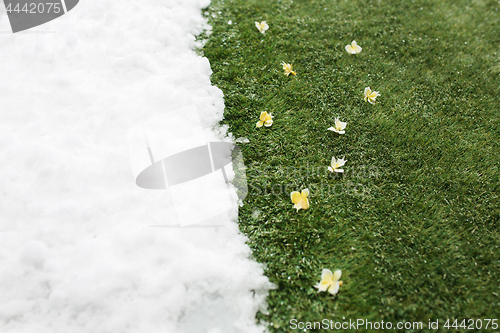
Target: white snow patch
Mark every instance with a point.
(78, 253)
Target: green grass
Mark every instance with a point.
(414, 222)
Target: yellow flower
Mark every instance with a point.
(330, 281)
(336, 164)
(262, 26)
(339, 126)
(370, 95)
(288, 69)
(300, 200)
(353, 48)
(265, 119)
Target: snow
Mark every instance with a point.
(79, 252)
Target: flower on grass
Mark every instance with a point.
(288, 69)
(265, 119)
(336, 164)
(370, 95)
(353, 48)
(339, 126)
(300, 200)
(262, 26)
(330, 281)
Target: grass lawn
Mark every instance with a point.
(414, 222)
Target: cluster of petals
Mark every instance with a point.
(369, 95)
(330, 282)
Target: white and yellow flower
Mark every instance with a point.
(288, 69)
(353, 48)
(339, 126)
(336, 165)
(330, 281)
(265, 119)
(300, 200)
(370, 95)
(262, 26)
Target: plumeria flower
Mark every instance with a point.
(353, 48)
(300, 200)
(336, 164)
(265, 119)
(262, 26)
(339, 126)
(288, 69)
(330, 281)
(370, 95)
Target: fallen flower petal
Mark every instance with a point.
(336, 164)
(288, 69)
(370, 95)
(265, 119)
(329, 281)
(353, 48)
(262, 26)
(300, 200)
(339, 126)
